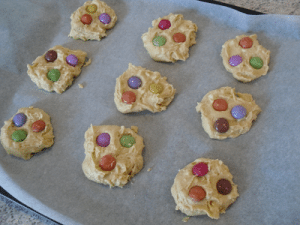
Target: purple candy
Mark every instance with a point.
(134, 82)
(104, 18)
(72, 60)
(238, 112)
(235, 60)
(19, 119)
(103, 140)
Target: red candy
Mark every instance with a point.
(246, 42)
(220, 105)
(38, 126)
(200, 169)
(86, 19)
(179, 37)
(164, 24)
(128, 97)
(197, 193)
(108, 163)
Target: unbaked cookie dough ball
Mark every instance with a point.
(90, 21)
(113, 154)
(170, 38)
(245, 58)
(56, 69)
(139, 89)
(27, 132)
(204, 186)
(226, 113)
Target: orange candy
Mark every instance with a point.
(128, 97)
(108, 163)
(86, 19)
(179, 37)
(197, 193)
(220, 105)
(246, 42)
(38, 126)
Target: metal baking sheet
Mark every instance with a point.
(264, 161)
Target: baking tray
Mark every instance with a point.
(206, 13)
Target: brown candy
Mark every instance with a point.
(86, 19)
(224, 187)
(221, 125)
(107, 163)
(51, 56)
(246, 42)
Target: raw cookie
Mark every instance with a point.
(56, 69)
(27, 132)
(170, 38)
(225, 113)
(113, 154)
(138, 89)
(245, 58)
(204, 186)
(90, 21)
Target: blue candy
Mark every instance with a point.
(238, 112)
(134, 82)
(19, 119)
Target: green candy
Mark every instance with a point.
(19, 135)
(159, 41)
(256, 62)
(53, 75)
(127, 141)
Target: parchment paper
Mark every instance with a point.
(264, 161)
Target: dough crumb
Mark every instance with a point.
(185, 219)
(80, 85)
(149, 169)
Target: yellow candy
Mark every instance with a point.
(156, 88)
(91, 8)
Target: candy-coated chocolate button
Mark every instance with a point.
(159, 41)
(221, 125)
(246, 42)
(91, 8)
(200, 169)
(72, 60)
(197, 193)
(19, 119)
(108, 163)
(164, 24)
(19, 135)
(179, 37)
(134, 82)
(103, 140)
(53, 75)
(156, 88)
(51, 56)
(238, 112)
(127, 141)
(128, 97)
(235, 60)
(86, 19)
(220, 105)
(38, 126)
(224, 187)
(104, 18)
(256, 62)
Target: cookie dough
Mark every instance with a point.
(204, 186)
(27, 132)
(113, 154)
(56, 69)
(90, 21)
(226, 113)
(245, 58)
(170, 38)
(138, 89)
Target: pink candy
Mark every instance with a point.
(164, 24)
(200, 169)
